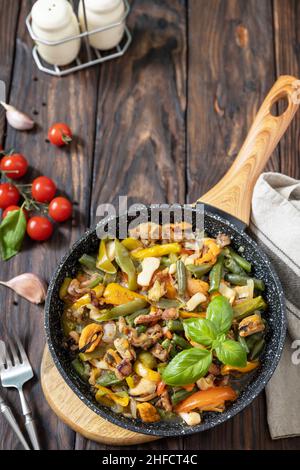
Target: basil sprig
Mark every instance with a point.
(187, 366)
(12, 232)
(191, 364)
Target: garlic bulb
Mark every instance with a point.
(29, 286)
(17, 119)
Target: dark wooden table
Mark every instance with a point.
(161, 124)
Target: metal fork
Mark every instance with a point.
(15, 371)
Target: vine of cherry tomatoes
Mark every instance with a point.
(38, 197)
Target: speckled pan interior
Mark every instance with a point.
(275, 315)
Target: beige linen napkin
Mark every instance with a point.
(275, 222)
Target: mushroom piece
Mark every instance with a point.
(144, 387)
(192, 419)
(123, 347)
(250, 325)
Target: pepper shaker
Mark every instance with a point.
(101, 13)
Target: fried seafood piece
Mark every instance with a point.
(147, 339)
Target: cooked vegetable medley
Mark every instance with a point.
(164, 327)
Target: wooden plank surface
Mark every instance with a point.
(162, 123)
(48, 99)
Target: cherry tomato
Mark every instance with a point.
(60, 134)
(15, 166)
(13, 208)
(39, 228)
(43, 189)
(60, 209)
(9, 195)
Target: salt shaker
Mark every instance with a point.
(101, 13)
(54, 20)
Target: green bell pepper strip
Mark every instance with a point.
(242, 262)
(200, 270)
(216, 273)
(81, 369)
(179, 396)
(257, 349)
(123, 310)
(181, 277)
(126, 264)
(95, 282)
(245, 308)
(168, 303)
(107, 378)
(239, 280)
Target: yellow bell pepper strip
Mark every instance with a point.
(63, 291)
(117, 295)
(208, 399)
(126, 264)
(184, 314)
(103, 261)
(86, 298)
(147, 373)
(225, 370)
(121, 398)
(130, 381)
(131, 243)
(211, 255)
(157, 251)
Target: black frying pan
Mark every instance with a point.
(227, 210)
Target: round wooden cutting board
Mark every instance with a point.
(72, 411)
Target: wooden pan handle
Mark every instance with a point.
(233, 193)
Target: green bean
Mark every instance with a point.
(173, 351)
(95, 282)
(147, 359)
(123, 310)
(245, 308)
(233, 267)
(166, 343)
(125, 262)
(199, 271)
(242, 262)
(243, 343)
(179, 396)
(167, 303)
(175, 325)
(180, 341)
(257, 349)
(181, 277)
(130, 319)
(107, 378)
(215, 274)
(89, 262)
(239, 280)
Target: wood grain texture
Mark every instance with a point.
(233, 193)
(48, 99)
(287, 50)
(197, 82)
(75, 414)
(231, 69)
(10, 11)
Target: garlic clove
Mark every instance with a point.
(29, 286)
(17, 119)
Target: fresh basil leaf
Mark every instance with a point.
(200, 330)
(187, 367)
(12, 232)
(220, 313)
(232, 353)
